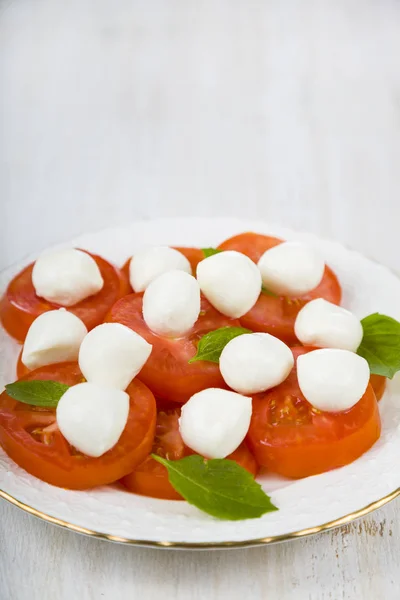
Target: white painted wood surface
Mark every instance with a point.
(282, 110)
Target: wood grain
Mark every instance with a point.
(357, 561)
(285, 111)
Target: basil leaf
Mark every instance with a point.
(380, 345)
(211, 344)
(210, 251)
(268, 292)
(37, 392)
(219, 487)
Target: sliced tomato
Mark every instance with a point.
(20, 305)
(251, 244)
(30, 436)
(271, 314)
(378, 383)
(125, 272)
(22, 370)
(151, 478)
(244, 458)
(194, 256)
(290, 437)
(168, 372)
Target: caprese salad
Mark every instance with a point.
(187, 371)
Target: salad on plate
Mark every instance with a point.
(189, 371)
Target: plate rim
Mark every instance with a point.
(160, 544)
(301, 533)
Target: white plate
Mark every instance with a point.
(306, 506)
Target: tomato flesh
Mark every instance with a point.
(194, 256)
(251, 244)
(272, 314)
(30, 436)
(167, 372)
(22, 370)
(20, 305)
(151, 478)
(125, 273)
(290, 437)
(378, 383)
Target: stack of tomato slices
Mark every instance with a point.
(286, 436)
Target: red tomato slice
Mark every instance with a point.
(30, 436)
(20, 305)
(194, 256)
(125, 272)
(290, 437)
(151, 479)
(251, 244)
(167, 372)
(378, 383)
(22, 370)
(271, 314)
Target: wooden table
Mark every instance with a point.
(283, 111)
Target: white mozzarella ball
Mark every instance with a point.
(54, 336)
(230, 281)
(321, 323)
(92, 418)
(291, 269)
(255, 362)
(214, 422)
(332, 380)
(112, 355)
(148, 264)
(66, 277)
(171, 304)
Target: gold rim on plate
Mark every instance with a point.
(204, 545)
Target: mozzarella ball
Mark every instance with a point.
(112, 355)
(214, 422)
(332, 380)
(171, 304)
(291, 269)
(54, 336)
(92, 418)
(66, 277)
(148, 264)
(230, 281)
(255, 362)
(321, 323)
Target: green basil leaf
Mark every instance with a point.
(380, 345)
(210, 251)
(211, 344)
(37, 392)
(268, 292)
(219, 487)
